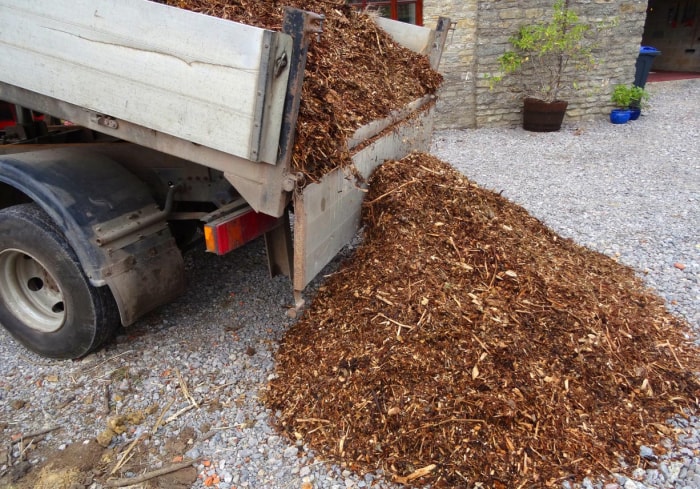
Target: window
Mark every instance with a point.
(410, 11)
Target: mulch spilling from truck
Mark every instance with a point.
(355, 73)
(466, 342)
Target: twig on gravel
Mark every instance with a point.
(179, 413)
(105, 399)
(32, 437)
(159, 421)
(23, 448)
(213, 431)
(65, 403)
(148, 475)
(185, 390)
(34, 362)
(222, 386)
(108, 360)
(33, 434)
(126, 455)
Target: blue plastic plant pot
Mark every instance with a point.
(635, 113)
(619, 116)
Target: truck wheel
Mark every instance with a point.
(46, 301)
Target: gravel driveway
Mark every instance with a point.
(195, 369)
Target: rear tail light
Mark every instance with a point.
(234, 230)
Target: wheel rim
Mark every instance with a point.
(30, 292)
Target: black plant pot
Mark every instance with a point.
(540, 116)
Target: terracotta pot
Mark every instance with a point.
(540, 116)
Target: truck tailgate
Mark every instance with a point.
(327, 213)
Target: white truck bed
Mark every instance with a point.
(195, 77)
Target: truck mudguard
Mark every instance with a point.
(119, 234)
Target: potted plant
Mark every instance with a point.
(622, 97)
(629, 100)
(546, 58)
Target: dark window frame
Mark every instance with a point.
(393, 7)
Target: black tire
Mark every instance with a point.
(46, 301)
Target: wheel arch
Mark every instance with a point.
(34, 177)
(11, 195)
(89, 196)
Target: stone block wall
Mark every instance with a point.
(481, 35)
(457, 102)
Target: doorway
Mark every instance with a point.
(673, 27)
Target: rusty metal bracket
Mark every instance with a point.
(299, 24)
(444, 25)
(452, 29)
(133, 224)
(106, 121)
(313, 24)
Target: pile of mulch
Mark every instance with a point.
(355, 73)
(466, 342)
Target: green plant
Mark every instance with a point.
(621, 96)
(548, 55)
(638, 97)
(625, 96)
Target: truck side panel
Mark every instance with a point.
(205, 80)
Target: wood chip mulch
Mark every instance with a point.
(466, 342)
(355, 73)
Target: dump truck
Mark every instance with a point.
(136, 129)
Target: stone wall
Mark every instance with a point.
(481, 35)
(457, 102)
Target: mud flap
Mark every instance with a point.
(152, 275)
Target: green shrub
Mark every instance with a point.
(549, 56)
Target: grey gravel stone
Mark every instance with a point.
(646, 452)
(291, 452)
